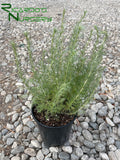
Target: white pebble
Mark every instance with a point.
(19, 128)
(3, 93)
(15, 158)
(104, 156)
(53, 149)
(67, 149)
(108, 120)
(35, 143)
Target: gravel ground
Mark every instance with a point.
(96, 134)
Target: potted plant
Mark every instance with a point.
(63, 80)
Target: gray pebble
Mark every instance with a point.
(85, 149)
(110, 113)
(64, 156)
(110, 106)
(10, 126)
(100, 120)
(84, 125)
(87, 135)
(110, 122)
(78, 134)
(84, 157)
(24, 157)
(4, 131)
(117, 105)
(98, 158)
(27, 110)
(112, 101)
(74, 157)
(10, 141)
(26, 129)
(97, 97)
(102, 126)
(17, 150)
(92, 151)
(30, 151)
(76, 144)
(96, 107)
(33, 158)
(36, 144)
(0, 127)
(116, 119)
(79, 152)
(118, 99)
(40, 155)
(74, 127)
(91, 158)
(15, 117)
(118, 132)
(81, 139)
(93, 125)
(87, 119)
(2, 155)
(2, 115)
(16, 123)
(30, 124)
(117, 143)
(0, 135)
(54, 155)
(26, 115)
(36, 129)
(104, 97)
(102, 111)
(45, 151)
(103, 136)
(16, 135)
(26, 144)
(89, 144)
(110, 141)
(79, 129)
(81, 119)
(39, 138)
(8, 98)
(47, 158)
(73, 137)
(96, 136)
(7, 136)
(100, 147)
(30, 136)
(92, 115)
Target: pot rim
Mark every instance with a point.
(50, 126)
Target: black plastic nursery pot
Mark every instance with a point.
(54, 136)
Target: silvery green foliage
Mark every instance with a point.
(66, 77)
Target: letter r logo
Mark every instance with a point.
(5, 8)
